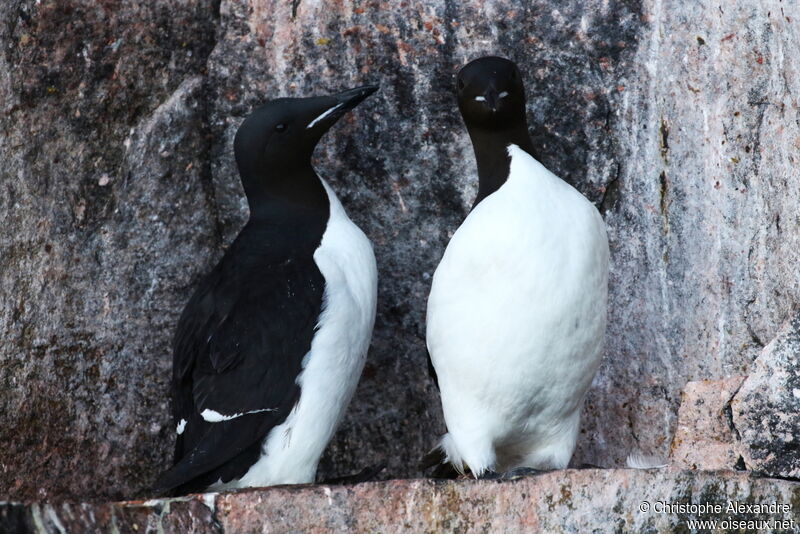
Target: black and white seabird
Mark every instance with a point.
(517, 310)
(270, 347)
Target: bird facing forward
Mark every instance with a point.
(517, 309)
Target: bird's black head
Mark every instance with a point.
(491, 99)
(490, 94)
(274, 144)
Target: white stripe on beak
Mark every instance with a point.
(315, 121)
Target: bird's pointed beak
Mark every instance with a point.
(338, 104)
(353, 97)
(491, 99)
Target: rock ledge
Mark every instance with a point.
(602, 500)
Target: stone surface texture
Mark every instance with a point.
(766, 409)
(118, 190)
(104, 204)
(705, 437)
(565, 501)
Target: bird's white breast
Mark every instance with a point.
(517, 310)
(332, 367)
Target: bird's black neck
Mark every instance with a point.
(286, 221)
(272, 194)
(491, 154)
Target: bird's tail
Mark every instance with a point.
(444, 460)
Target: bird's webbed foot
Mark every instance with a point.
(513, 474)
(365, 475)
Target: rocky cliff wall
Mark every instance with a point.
(118, 191)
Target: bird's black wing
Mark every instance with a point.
(432, 370)
(238, 350)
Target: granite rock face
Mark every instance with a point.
(705, 238)
(118, 190)
(106, 213)
(565, 501)
(705, 437)
(766, 409)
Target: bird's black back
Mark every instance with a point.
(242, 337)
(240, 344)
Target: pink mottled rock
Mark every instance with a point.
(602, 500)
(704, 438)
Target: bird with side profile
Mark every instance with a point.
(270, 346)
(517, 310)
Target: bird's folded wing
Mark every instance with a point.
(238, 351)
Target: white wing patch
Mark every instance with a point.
(213, 416)
(315, 121)
(181, 427)
(483, 98)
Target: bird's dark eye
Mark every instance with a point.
(460, 84)
(280, 128)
